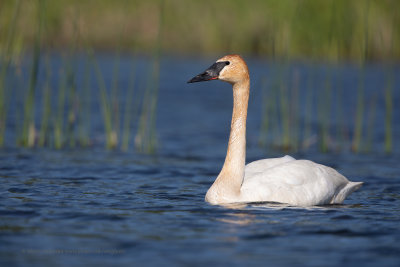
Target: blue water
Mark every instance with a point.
(81, 207)
(78, 208)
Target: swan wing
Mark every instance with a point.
(260, 166)
(297, 182)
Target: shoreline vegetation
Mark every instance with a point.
(331, 30)
(57, 114)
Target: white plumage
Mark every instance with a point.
(297, 182)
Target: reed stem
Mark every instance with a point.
(324, 112)
(129, 112)
(5, 64)
(59, 115)
(389, 112)
(46, 107)
(146, 139)
(28, 128)
(111, 138)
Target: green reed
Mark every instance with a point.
(285, 118)
(266, 113)
(114, 98)
(5, 61)
(70, 121)
(388, 143)
(111, 138)
(257, 21)
(85, 103)
(73, 97)
(271, 130)
(58, 119)
(130, 111)
(358, 127)
(370, 124)
(308, 110)
(146, 139)
(341, 132)
(294, 111)
(388, 91)
(71, 104)
(274, 117)
(46, 107)
(324, 113)
(28, 127)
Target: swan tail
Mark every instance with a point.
(349, 188)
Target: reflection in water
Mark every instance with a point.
(239, 218)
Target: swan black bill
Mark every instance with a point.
(211, 73)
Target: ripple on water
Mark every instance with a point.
(157, 214)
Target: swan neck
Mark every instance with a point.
(233, 169)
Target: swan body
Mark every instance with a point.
(284, 180)
(299, 182)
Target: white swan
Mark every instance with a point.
(285, 180)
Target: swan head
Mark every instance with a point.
(230, 68)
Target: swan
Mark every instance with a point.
(285, 179)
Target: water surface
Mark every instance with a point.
(96, 207)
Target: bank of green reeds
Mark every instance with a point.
(331, 31)
(324, 103)
(57, 114)
(324, 116)
(285, 28)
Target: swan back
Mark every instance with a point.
(262, 165)
(297, 182)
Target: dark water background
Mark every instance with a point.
(97, 207)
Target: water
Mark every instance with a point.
(96, 207)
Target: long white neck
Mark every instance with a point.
(231, 176)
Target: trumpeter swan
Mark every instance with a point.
(284, 180)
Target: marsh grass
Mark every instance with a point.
(295, 111)
(62, 109)
(325, 112)
(284, 118)
(388, 92)
(5, 64)
(308, 110)
(130, 111)
(146, 137)
(58, 119)
(46, 107)
(370, 124)
(329, 117)
(72, 106)
(114, 98)
(266, 113)
(111, 138)
(84, 123)
(359, 120)
(28, 127)
(341, 131)
(280, 29)
(300, 109)
(272, 130)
